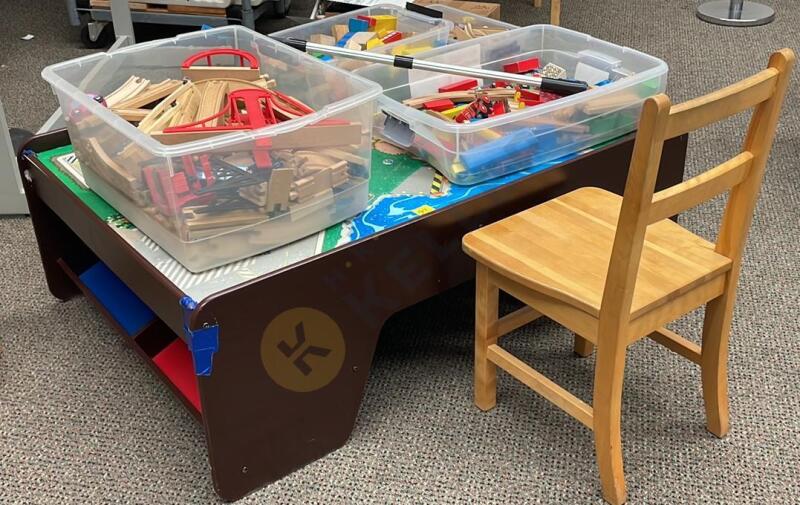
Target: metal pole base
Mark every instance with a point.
(733, 13)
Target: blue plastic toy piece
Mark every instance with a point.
(203, 343)
(124, 306)
(498, 150)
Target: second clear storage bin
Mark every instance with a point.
(468, 153)
(421, 33)
(209, 198)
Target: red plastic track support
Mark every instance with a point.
(243, 55)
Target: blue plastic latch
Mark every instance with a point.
(203, 343)
(28, 152)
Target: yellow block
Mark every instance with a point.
(384, 22)
(451, 113)
(408, 51)
(374, 43)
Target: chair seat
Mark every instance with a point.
(561, 248)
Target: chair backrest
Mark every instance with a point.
(741, 175)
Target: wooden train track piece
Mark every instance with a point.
(212, 101)
(152, 93)
(107, 168)
(307, 137)
(133, 86)
(132, 115)
(461, 96)
(187, 105)
(345, 155)
(200, 221)
(280, 184)
(145, 124)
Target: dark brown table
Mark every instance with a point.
(294, 346)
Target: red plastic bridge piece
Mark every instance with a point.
(243, 55)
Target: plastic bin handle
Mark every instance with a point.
(425, 11)
(243, 55)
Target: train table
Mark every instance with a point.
(271, 354)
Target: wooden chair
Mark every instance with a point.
(615, 269)
(555, 10)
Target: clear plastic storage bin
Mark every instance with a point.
(218, 199)
(429, 32)
(459, 17)
(473, 152)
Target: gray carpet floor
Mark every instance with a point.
(83, 421)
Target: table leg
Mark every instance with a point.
(287, 380)
(55, 240)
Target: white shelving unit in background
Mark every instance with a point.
(12, 198)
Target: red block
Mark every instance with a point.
(369, 20)
(392, 37)
(460, 86)
(439, 105)
(175, 361)
(522, 67)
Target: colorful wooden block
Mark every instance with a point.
(358, 41)
(371, 21)
(357, 25)
(439, 105)
(321, 38)
(385, 22)
(460, 86)
(522, 67)
(392, 37)
(375, 42)
(339, 31)
(342, 42)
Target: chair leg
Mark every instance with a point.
(555, 12)
(486, 315)
(607, 407)
(583, 347)
(714, 361)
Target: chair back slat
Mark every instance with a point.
(741, 176)
(720, 179)
(713, 107)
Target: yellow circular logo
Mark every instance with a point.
(302, 349)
